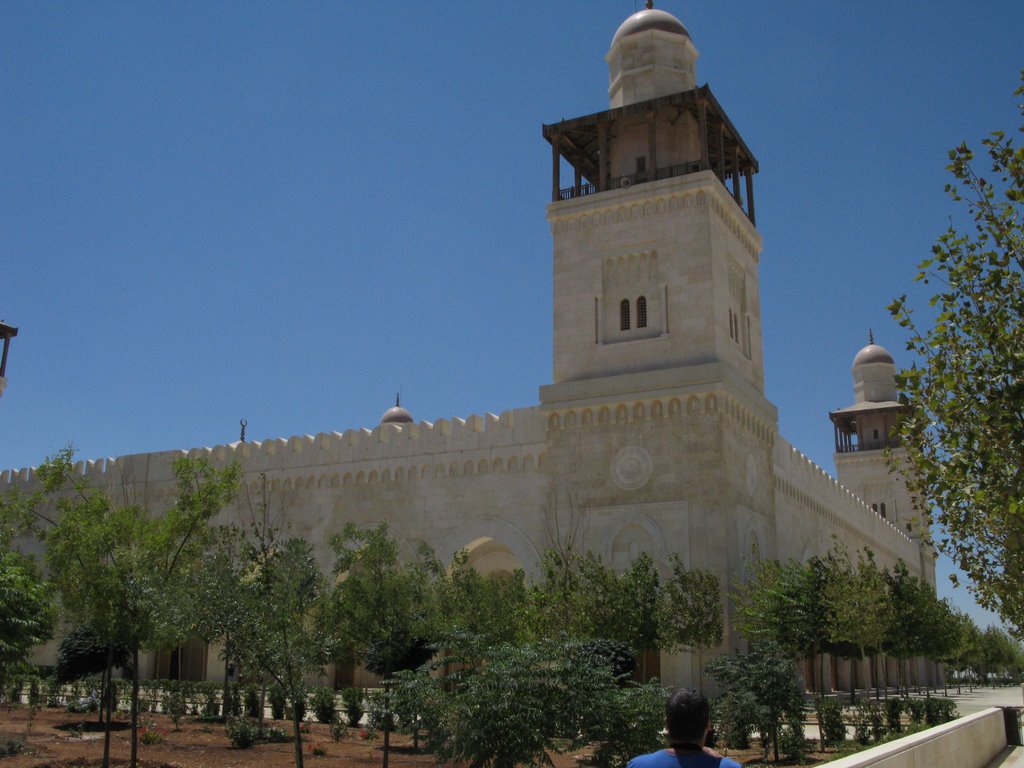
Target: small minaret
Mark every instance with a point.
(864, 437)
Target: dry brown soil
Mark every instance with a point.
(56, 739)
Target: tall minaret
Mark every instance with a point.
(655, 248)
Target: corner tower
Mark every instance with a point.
(652, 214)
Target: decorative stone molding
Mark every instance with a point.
(631, 468)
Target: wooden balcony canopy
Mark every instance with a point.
(584, 142)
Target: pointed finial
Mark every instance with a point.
(871, 336)
(649, 5)
(243, 423)
(398, 401)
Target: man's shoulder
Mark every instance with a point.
(667, 759)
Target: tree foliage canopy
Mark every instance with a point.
(964, 432)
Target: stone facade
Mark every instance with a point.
(655, 428)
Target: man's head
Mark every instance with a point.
(686, 716)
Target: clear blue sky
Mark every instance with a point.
(288, 211)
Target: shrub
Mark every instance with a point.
(352, 700)
(276, 735)
(277, 702)
(242, 732)
(252, 701)
(915, 708)
(734, 715)
(893, 710)
(830, 721)
(938, 711)
(210, 696)
(233, 706)
(12, 747)
(323, 704)
(792, 742)
(338, 730)
(318, 749)
(150, 736)
(868, 721)
(174, 706)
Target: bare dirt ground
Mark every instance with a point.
(57, 739)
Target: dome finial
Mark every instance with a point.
(649, 5)
(871, 336)
(398, 402)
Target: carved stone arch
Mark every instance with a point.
(631, 534)
(439, 470)
(687, 201)
(621, 215)
(752, 553)
(453, 469)
(360, 478)
(656, 410)
(621, 414)
(634, 211)
(674, 407)
(648, 208)
(288, 484)
(584, 223)
(587, 417)
(572, 225)
(483, 467)
(692, 404)
(661, 205)
(323, 481)
(347, 479)
(399, 474)
(311, 482)
(639, 412)
(468, 468)
(553, 422)
(335, 481)
(604, 415)
(570, 419)
(513, 463)
(498, 465)
(275, 485)
(700, 199)
(510, 545)
(542, 460)
(372, 478)
(711, 403)
(528, 463)
(385, 476)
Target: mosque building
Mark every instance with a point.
(655, 435)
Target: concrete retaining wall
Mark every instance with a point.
(969, 742)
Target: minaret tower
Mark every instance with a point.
(652, 214)
(865, 441)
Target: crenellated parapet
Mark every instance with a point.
(815, 490)
(511, 441)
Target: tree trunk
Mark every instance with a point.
(387, 713)
(263, 702)
(853, 680)
(298, 733)
(103, 692)
(133, 760)
(227, 685)
(105, 697)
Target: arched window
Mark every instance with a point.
(883, 509)
(641, 312)
(624, 315)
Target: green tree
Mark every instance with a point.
(909, 615)
(767, 677)
(964, 431)
(494, 606)
(690, 611)
(115, 566)
(380, 606)
(857, 601)
(27, 610)
(283, 632)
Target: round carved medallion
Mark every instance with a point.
(631, 468)
(751, 474)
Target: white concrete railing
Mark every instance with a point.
(969, 742)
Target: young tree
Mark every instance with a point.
(964, 432)
(494, 607)
(282, 632)
(690, 611)
(857, 600)
(27, 610)
(379, 608)
(116, 567)
(909, 619)
(767, 676)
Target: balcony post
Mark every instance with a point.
(602, 151)
(652, 147)
(750, 195)
(703, 118)
(556, 182)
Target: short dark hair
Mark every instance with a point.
(686, 716)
